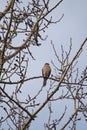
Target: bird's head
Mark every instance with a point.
(46, 63)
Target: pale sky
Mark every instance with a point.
(73, 25)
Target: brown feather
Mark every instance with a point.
(46, 70)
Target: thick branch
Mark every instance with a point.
(16, 103)
(38, 77)
(7, 9)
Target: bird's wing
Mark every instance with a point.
(42, 72)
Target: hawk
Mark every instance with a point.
(46, 70)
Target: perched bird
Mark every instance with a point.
(46, 70)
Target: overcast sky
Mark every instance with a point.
(73, 25)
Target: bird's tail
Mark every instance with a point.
(44, 81)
